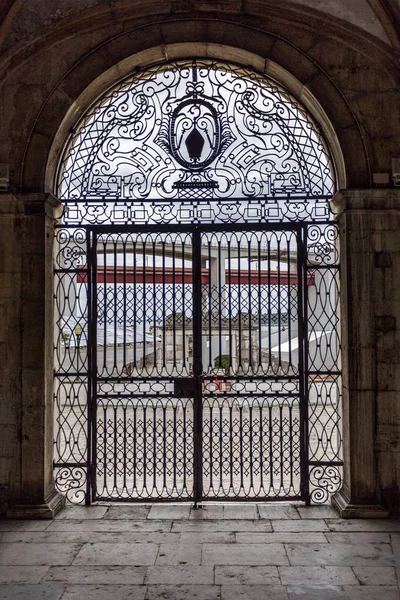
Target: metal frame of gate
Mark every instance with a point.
(196, 148)
(110, 446)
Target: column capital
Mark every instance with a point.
(368, 199)
(41, 204)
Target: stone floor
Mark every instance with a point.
(229, 552)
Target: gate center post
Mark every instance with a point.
(197, 369)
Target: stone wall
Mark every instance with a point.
(48, 83)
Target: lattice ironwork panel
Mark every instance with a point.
(144, 449)
(251, 447)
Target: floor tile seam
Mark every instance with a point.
(44, 574)
(286, 554)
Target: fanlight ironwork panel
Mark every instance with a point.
(195, 141)
(197, 294)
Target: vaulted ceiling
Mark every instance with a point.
(23, 19)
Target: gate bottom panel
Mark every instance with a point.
(251, 447)
(144, 449)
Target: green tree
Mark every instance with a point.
(223, 361)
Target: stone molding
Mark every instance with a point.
(366, 200)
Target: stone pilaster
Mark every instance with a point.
(32, 493)
(369, 222)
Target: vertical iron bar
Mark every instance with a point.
(90, 490)
(115, 307)
(259, 307)
(144, 369)
(279, 304)
(302, 329)
(251, 366)
(163, 321)
(124, 322)
(197, 368)
(269, 305)
(104, 366)
(289, 303)
(229, 291)
(135, 320)
(174, 307)
(220, 270)
(183, 310)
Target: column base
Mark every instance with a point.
(48, 510)
(348, 510)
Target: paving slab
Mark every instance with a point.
(38, 554)
(48, 537)
(326, 592)
(208, 511)
(253, 592)
(168, 511)
(128, 512)
(383, 525)
(340, 554)
(222, 525)
(179, 554)
(180, 575)
(117, 554)
(15, 525)
(359, 537)
(31, 592)
(237, 575)
(137, 537)
(317, 512)
(207, 537)
(82, 512)
(96, 575)
(270, 511)
(22, 574)
(317, 576)
(312, 537)
(104, 592)
(244, 511)
(111, 525)
(244, 554)
(372, 592)
(299, 525)
(376, 575)
(183, 592)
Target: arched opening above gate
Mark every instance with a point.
(195, 140)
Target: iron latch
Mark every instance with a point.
(184, 387)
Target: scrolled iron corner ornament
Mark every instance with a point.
(196, 294)
(71, 481)
(325, 480)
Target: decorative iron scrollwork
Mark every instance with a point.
(194, 130)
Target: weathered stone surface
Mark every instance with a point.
(38, 554)
(87, 575)
(244, 554)
(117, 554)
(340, 554)
(314, 575)
(238, 575)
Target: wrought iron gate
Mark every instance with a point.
(197, 294)
(200, 370)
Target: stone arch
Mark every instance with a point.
(100, 64)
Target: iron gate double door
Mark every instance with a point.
(198, 363)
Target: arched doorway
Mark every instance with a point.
(197, 294)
